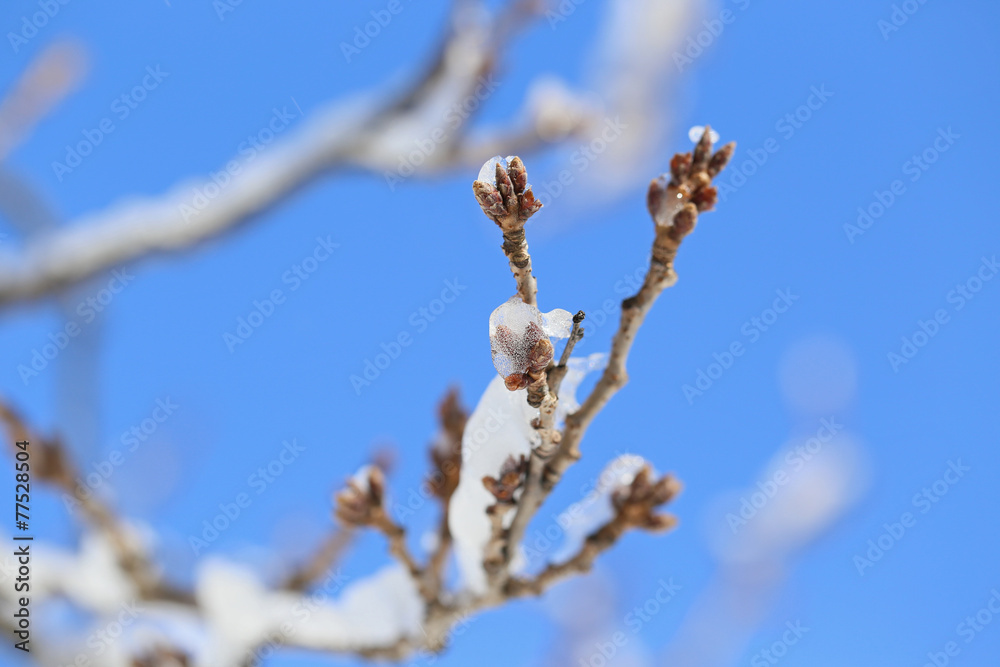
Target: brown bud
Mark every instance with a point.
(511, 477)
(540, 355)
(506, 189)
(516, 381)
(360, 506)
(702, 151)
(489, 200)
(705, 198)
(656, 195)
(680, 167)
(528, 205)
(685, 220)
(518, 175)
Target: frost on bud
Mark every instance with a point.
(519, 340)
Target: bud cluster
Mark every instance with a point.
(636, 502)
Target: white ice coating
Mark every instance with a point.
(667, 218)
(515, 327)
(488, 172)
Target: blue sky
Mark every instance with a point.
(926, 90)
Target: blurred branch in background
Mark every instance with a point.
(371, 133)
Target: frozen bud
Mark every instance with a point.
(519, 340)
(510, 479)
(518, 174)
(506, 187)
(488, 172)
(516, 381)
(540, 355)
(489, 200)
(503, 192)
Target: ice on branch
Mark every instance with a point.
(519, 342)
(499, 428)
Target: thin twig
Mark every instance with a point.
(557, 374)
